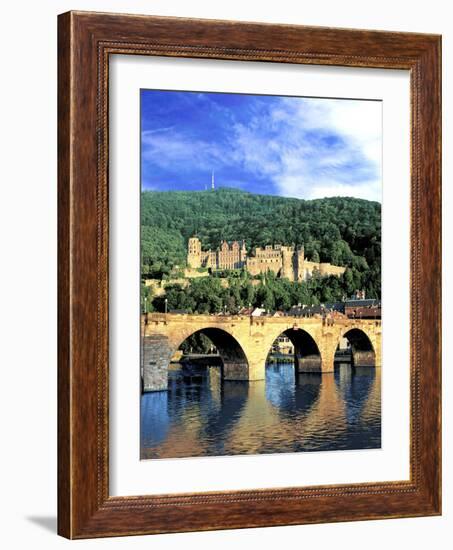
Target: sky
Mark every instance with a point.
(289, 146)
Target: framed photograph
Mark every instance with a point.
(249, 275)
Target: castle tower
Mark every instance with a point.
(300, 261)
(287, 262)
(194, 253)
(235, 255)
(243, 254)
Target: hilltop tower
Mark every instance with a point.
(212, 181)
(194, 253)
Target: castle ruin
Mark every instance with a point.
(285, 261)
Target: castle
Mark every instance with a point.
(285, 261)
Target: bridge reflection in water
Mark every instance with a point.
(207, 416)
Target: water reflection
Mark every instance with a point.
(205, 416)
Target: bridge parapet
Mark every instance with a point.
(149, 318)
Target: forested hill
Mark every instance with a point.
(341, 230)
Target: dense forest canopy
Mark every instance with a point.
(341, 230)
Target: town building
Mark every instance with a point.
(283, 345)
(285, 261)
(363, 309)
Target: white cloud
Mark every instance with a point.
(171, 148)
(297, 159)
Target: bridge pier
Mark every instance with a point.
(363, 358)
(235, 370)
(308, 363)
(315, 362)
(156, 356)
(257, 368)
(377, 354)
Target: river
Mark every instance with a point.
(285, 413)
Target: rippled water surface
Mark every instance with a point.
(206, 416)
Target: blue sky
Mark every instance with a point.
(288, 146)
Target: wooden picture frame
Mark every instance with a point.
(85, 42)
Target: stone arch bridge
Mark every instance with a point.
(244, 342)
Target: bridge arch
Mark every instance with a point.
(235, 365)
(159, 347)
(363, 353)
(307, 355)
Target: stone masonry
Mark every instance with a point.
(244, 342)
